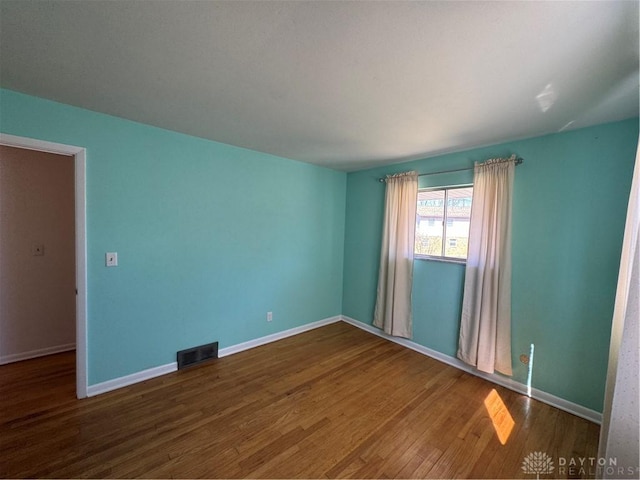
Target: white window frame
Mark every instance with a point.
(443, 258)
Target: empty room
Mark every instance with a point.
(319, 239)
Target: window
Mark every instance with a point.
(442, 223)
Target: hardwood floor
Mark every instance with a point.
(334, 402)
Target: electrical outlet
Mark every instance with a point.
(269, 316)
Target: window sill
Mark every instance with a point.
(459, 261)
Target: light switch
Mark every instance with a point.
(111, 259)
(37, 250)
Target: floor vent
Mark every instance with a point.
(197, 355)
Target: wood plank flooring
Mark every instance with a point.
(335, 402)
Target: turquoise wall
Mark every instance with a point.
(569, 209)
(209, 237)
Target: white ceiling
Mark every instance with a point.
(346, 85)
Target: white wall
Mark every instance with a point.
(37, 293)
(622, 441)
(620, 430)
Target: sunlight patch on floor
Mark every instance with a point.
(500, 417)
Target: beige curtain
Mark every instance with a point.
(395, 276)
(485, 326)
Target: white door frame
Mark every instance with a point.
(79, 154)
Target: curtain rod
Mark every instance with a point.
(518, 161)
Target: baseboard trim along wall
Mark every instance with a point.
(240, 347)
(41, 352)
(150, 373)
(518, 387)
(560, 403)
(127, 380)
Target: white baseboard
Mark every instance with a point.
(518, 387)
(41, 352)
(240, 347)
(143, 375)
(127, 380)
(560, 403)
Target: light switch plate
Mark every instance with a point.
(111, 259)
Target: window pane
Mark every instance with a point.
(429, 219)
(458, 219)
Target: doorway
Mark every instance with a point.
(40, 249)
